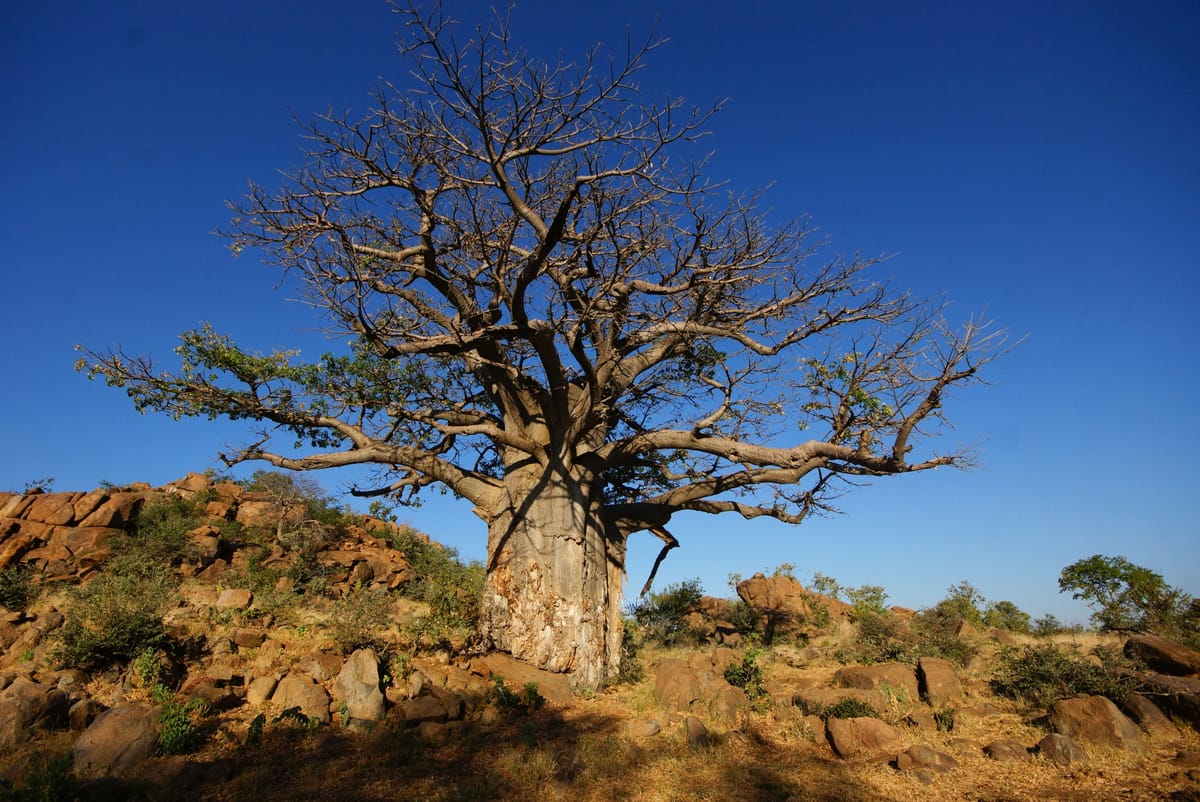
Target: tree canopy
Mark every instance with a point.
(543, 294)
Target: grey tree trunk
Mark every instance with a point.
(552, 596)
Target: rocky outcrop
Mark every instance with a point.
(117, 742)
(1096, 720)
(1164, 656)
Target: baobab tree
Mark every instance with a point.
(551, 310)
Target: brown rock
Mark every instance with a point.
(1150, 718)
(938, 681)
(117, 742)
(642, 728)
(236, 598)
(1179, 696)
(116, 512)
(357, 686)
(259, 690)
(190, 485)
(1096, 720)
(25, 706)
(1006, 750)
(88, 503)
(696, 732)
(554, 688)
(300, 691)
(860, 737)
(56, 509)
(1163, 656)
(423, 708)
(780, 601)
(924, 757)
(1061, 750)
(676, 685)
(899, 677)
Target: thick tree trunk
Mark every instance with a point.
(554, 573)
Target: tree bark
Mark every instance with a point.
(552, 596)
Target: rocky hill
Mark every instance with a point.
(209, 640)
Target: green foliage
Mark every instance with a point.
(47, 779)
(826, 586)
(178, 732)
(1006, 615)
(1049, 625)
(118, 615)
(360, 619)
(41, 485)
(661, 615)
(963, 602)
(1128, 597)
(748, 675)
(944, 719)
(159, 532)
(453, 590)
(848, 707)
(884, 637)
(17, 590)
(511, 702)
(866, 599)
(1042, 674)
(631, 671)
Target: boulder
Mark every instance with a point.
(1150, 718)
(554, 688)
(923, 757)
(116, 511)
(26, 705)
(118, 741)
(301, 691)
(695, 732)
(898, 677)
(422, 709)
(779, 601)
(939, 681)
(861, 737)
(1163, 656)
(1006, 750)
(1061, 750)
(642, 728)
(676, 685)
(1179, 696)
(357, 686)
(55, 509)
(1096, 720)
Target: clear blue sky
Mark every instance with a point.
(1037, 160)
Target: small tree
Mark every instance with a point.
(552, 312)
(1128, 597)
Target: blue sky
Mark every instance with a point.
(1037, 160)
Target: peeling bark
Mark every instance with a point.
(553, 591)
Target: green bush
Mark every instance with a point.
(47, 779)
(848, 707)
(661, 615)
(359, 620)
(453, 590)
(631, 671)
(1128, 597)
(509, 701)
(178, 732)
(748, 675)
(118, 615)
(1042, 674)
(17, 590)
(1006, 615)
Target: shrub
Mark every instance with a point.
(47, 779)
(1125, 596)
(848, 707)
(1006, 615)
(509, 701)
(748, 675)
(359, 620)
(178, 732)
(17, 590)
(453, 590)
(963, 602)
(631, 671)
(866, 599)
(118, 615)
(1042, 674)
(661, 616)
